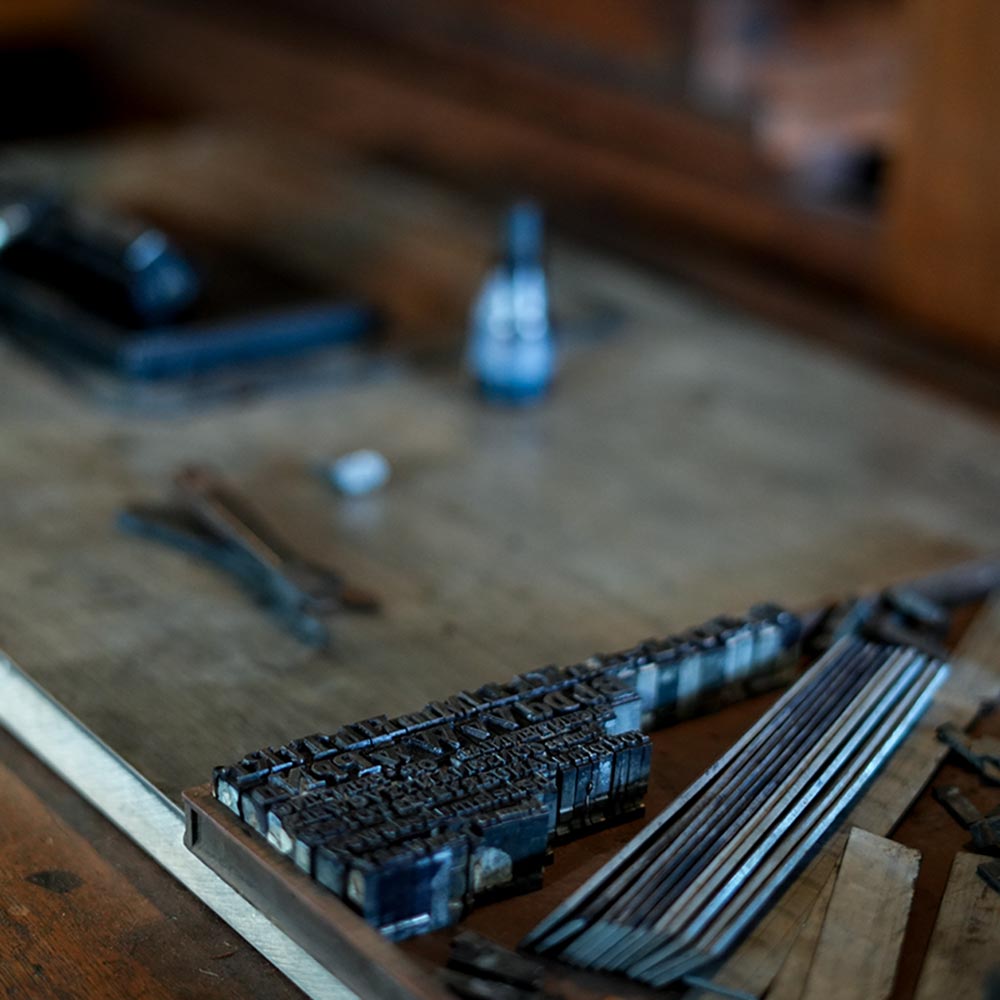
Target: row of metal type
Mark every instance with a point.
(682, 893)
(414, 819)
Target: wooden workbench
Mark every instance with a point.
(691, 460)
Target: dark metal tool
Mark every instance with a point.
(989, 872)
(959, 807)
(476, 988)
(979, 754)
(118, 266)
(915, 613)
(986, 835)
(212, 521)
(478, 956)
(226, 512)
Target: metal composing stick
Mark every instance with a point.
(212, 521)
(682, 894)
(414, 819)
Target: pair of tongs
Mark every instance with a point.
(211, 520)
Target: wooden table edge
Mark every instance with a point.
(311, 916)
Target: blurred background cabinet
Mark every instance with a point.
(847, 147)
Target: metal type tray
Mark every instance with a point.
(371, 965)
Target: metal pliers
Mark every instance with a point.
(212, 521)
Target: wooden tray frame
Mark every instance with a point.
(311, 916)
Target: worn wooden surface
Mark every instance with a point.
(791, 978)
(926, 826)
(84, 913)
(963, 953)
(691, 460)
(859, 945)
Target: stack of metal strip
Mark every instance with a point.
(681, 894)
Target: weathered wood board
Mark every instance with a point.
(963, 951)
(691, 462)
(858, 948)
(791, 978)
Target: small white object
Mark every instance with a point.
(360, 472)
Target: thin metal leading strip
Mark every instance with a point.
(740, 798)
(617, 875)
(720, 877)
(630, 962)
(149, 818)
(665, 968)
(678, 898)
(793, 793)
(675, 900)
(709, 845)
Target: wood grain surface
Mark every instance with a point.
(84, 913)
(691, 460)
(963, 952)
(859, 945)
(943, 222)
(791, 978)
